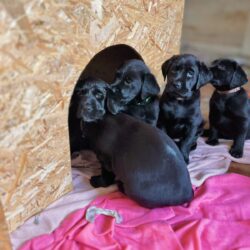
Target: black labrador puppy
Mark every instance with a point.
(180, 114)
(135, 92)
(229, 106)
(143, 160)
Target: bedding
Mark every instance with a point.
(217, 218)
(208, 160)
(205, 161)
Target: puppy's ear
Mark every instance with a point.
(239, 77)
(205, 75)
(166, 65)
(215, 62)
(150, 86)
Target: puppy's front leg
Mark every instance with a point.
(152, 114)
(238, 144)
(213, 136)
(188, 141)
(106, 178)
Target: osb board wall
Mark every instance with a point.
(4, 237)
(44, 46)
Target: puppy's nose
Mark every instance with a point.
(125, 93)
(177, 85)
(87, 106)
(114, 90)
(184, 91)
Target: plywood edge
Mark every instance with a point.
(4, 235)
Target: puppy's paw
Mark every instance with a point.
(74, 155)
(212, 142)
(236, 153)
(185, 154)
(97, 181)
(186, 159)
(194, 146)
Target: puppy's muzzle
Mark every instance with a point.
(185, 93)
(87, 107)
(113, 107)
(89, 111)
(179, 92)
(84, 111)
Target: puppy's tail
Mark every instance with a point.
(205, 133)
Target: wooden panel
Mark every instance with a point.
(42, 53)
(217, 28)
(216, 21)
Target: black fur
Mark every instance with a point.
(180, 114)
(77, 143)
(142, 159)
(135, 92)
(229, 112)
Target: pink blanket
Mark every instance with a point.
(217, 218)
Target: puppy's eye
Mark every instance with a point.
(81, 92)
(174, 70)
(128, 80)
(99, 95)
(190, 74)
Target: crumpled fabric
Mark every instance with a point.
(51, 217)
(207, 161)
(217, 218)
(141, 228)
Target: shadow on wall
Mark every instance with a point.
(103, 65)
